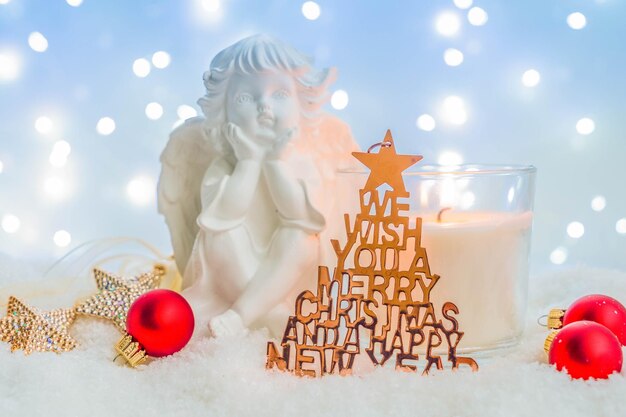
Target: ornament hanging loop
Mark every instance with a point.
(383, 144)
(542, 320)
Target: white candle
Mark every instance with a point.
(482, 258)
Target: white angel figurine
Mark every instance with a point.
(247, 190)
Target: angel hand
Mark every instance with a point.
(283, 146)
(244, 147)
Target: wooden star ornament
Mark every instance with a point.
(31, 329)
(386, 166)
(116, 295)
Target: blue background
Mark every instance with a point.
(390, 61)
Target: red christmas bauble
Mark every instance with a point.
(586, 350)
(161, 321)
(602, 309)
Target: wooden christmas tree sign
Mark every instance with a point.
(378, 295)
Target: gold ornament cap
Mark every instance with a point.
(555, 318)
(129, 349)
(548, 343)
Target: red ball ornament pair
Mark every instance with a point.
(159, 323)
(589, 344)
(599, 308)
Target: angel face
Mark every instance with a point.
(264, 105)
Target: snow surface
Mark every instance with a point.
(227, 377)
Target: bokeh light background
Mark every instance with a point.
(89, 91)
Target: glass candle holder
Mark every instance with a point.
(476, 228)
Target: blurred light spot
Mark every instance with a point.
(208, 11)
(511, 194)
(105, 126)
(448, 23)
(60, 151)
(575, 230)
(74, 3)
(450, 158)
(339, 100)
(10, 223)
(1, 167)
(448, 193)
(598, 203)
(141, 67)
(9, 66)
(44, 125)
(54, 187)
(161, 59)
(141, 190)
(620, 226)
(576, 21)
(62, 238)
(426, 122)
(453, 57)
(4, 1)
(37, 42)
(177, 123)
(211, 5)
(558, 256)
(531, 78)
(311, 10)
(463, 4)
(477, 16)
(454, 110)
(185, 112)
(57, 160)
(585, 126)
(154, 111)
(62, 147)
(467, 200)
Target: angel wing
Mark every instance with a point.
(332, 146)
(184, 161)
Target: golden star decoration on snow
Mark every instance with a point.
(30, 329)
(116, 295)
(386, 166)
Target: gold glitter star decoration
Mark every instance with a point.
(116, 295)
(31, 329)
